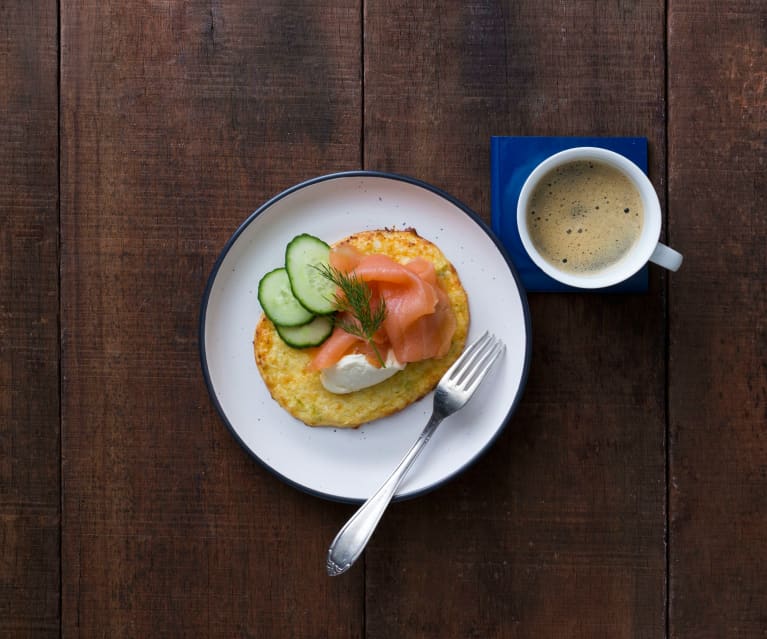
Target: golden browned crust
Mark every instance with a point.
(300, 392)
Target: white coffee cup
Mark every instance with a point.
(645, 249)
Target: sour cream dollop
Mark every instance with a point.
(354, 372)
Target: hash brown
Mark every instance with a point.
(299, 390)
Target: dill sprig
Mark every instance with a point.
(355, 297)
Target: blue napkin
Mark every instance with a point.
(512, 159)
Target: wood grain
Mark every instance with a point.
(559, 530)
(178, 120)
(29, 289)
(718, 334)
(128, 510)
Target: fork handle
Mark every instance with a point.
(354, 536)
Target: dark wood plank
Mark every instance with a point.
(29, 346)
(178, 120)
(559, 530)
(718, 334)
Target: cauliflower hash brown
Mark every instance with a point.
(299, 390)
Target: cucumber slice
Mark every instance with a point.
(303, 256)
(280, 305)
(311, 334)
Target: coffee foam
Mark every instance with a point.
(584, 216)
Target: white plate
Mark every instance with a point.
(349, 464)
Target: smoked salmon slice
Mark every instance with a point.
(420, 321)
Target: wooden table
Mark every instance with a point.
(627, 497)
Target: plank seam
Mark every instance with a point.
(60, 371)
(667, 335)
(362, 84)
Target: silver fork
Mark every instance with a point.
(453, 391)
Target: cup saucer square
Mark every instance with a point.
(512, 159)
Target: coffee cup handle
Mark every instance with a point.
(666, 257)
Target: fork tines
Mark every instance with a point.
(475, 362)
